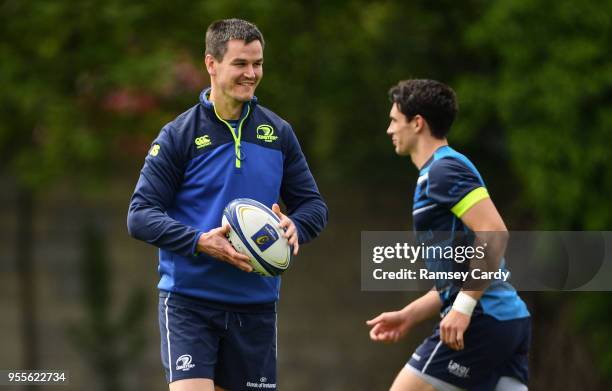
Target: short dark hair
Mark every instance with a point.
(220, 32)
(434, 101)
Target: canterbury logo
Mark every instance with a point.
(266, 133)
(203, 141)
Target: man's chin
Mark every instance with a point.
(244, 94)
(244, 97)
(401, 152)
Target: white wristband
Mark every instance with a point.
(464, 303)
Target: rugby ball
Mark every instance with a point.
(254, 231)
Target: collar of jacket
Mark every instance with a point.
(209, 105)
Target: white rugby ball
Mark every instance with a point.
(254, 232)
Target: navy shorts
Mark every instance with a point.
(235, 346)
(492, 349)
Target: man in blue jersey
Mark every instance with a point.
(482, 341)
(217, 319)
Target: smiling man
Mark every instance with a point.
(217, 319)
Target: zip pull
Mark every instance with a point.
(239, 153)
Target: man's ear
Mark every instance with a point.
(210, 64)
(419, 123)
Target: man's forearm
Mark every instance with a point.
(423, 308)
(495, 244)
(150, 224)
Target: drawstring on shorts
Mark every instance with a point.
(227, 319)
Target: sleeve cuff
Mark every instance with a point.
(194, 247)
(300, 231)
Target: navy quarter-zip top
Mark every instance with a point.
(198, 163)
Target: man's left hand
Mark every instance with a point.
(291, 233)
(452, 328)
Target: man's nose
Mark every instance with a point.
(249, 72)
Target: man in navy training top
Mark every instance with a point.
(217, 319)
(482, 341)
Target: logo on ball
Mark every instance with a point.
(265, 237)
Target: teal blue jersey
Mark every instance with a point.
(448, 186)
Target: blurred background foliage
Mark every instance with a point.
(111, 344)
(87, 85)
